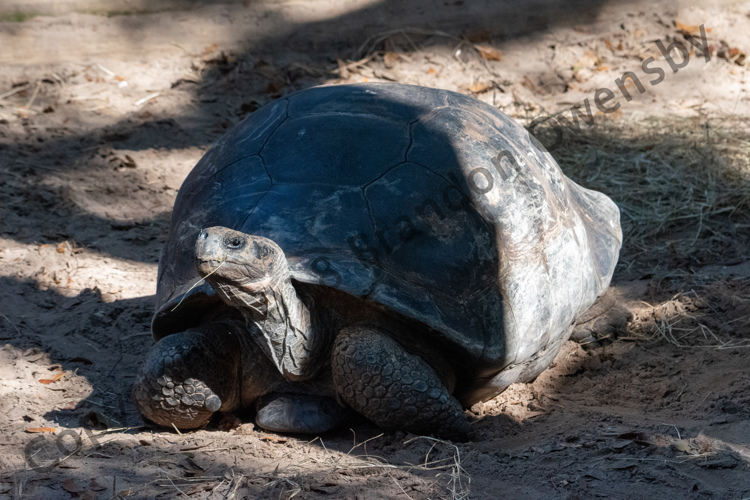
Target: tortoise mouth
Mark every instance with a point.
(211, 262)
(210, 266)
(227, 270)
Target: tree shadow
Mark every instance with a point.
(34, 159)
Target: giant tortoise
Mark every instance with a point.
(396, 251)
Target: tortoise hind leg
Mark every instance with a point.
(299, 413)
(605, 320)
(394, 389)
(189, 376)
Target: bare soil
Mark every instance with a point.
(101, 118)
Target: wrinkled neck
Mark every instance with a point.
(277, 303)
(279, 322)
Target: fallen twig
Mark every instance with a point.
(147, 98)
(14, 91)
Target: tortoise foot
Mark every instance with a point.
(394, 389)
(602, 323)
(189, 376)
(300, 413)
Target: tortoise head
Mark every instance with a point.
(234, 258)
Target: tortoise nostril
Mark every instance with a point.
(203, 235)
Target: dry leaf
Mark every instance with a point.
(478, 88)
(691, 29)
(53, 379)
(41, 429)
(431, 71)
(489, 53)
(608, 44)
(70, 486)
(682, 446)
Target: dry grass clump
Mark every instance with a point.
(683, 188)
(450, 473)
(304, 467)
(679, 322)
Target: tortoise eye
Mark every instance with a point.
(236, 243)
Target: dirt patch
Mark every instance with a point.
(94, 147)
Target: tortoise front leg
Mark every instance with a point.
(393, 388)
(189, 376)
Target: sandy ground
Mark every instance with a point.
(101, 118)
